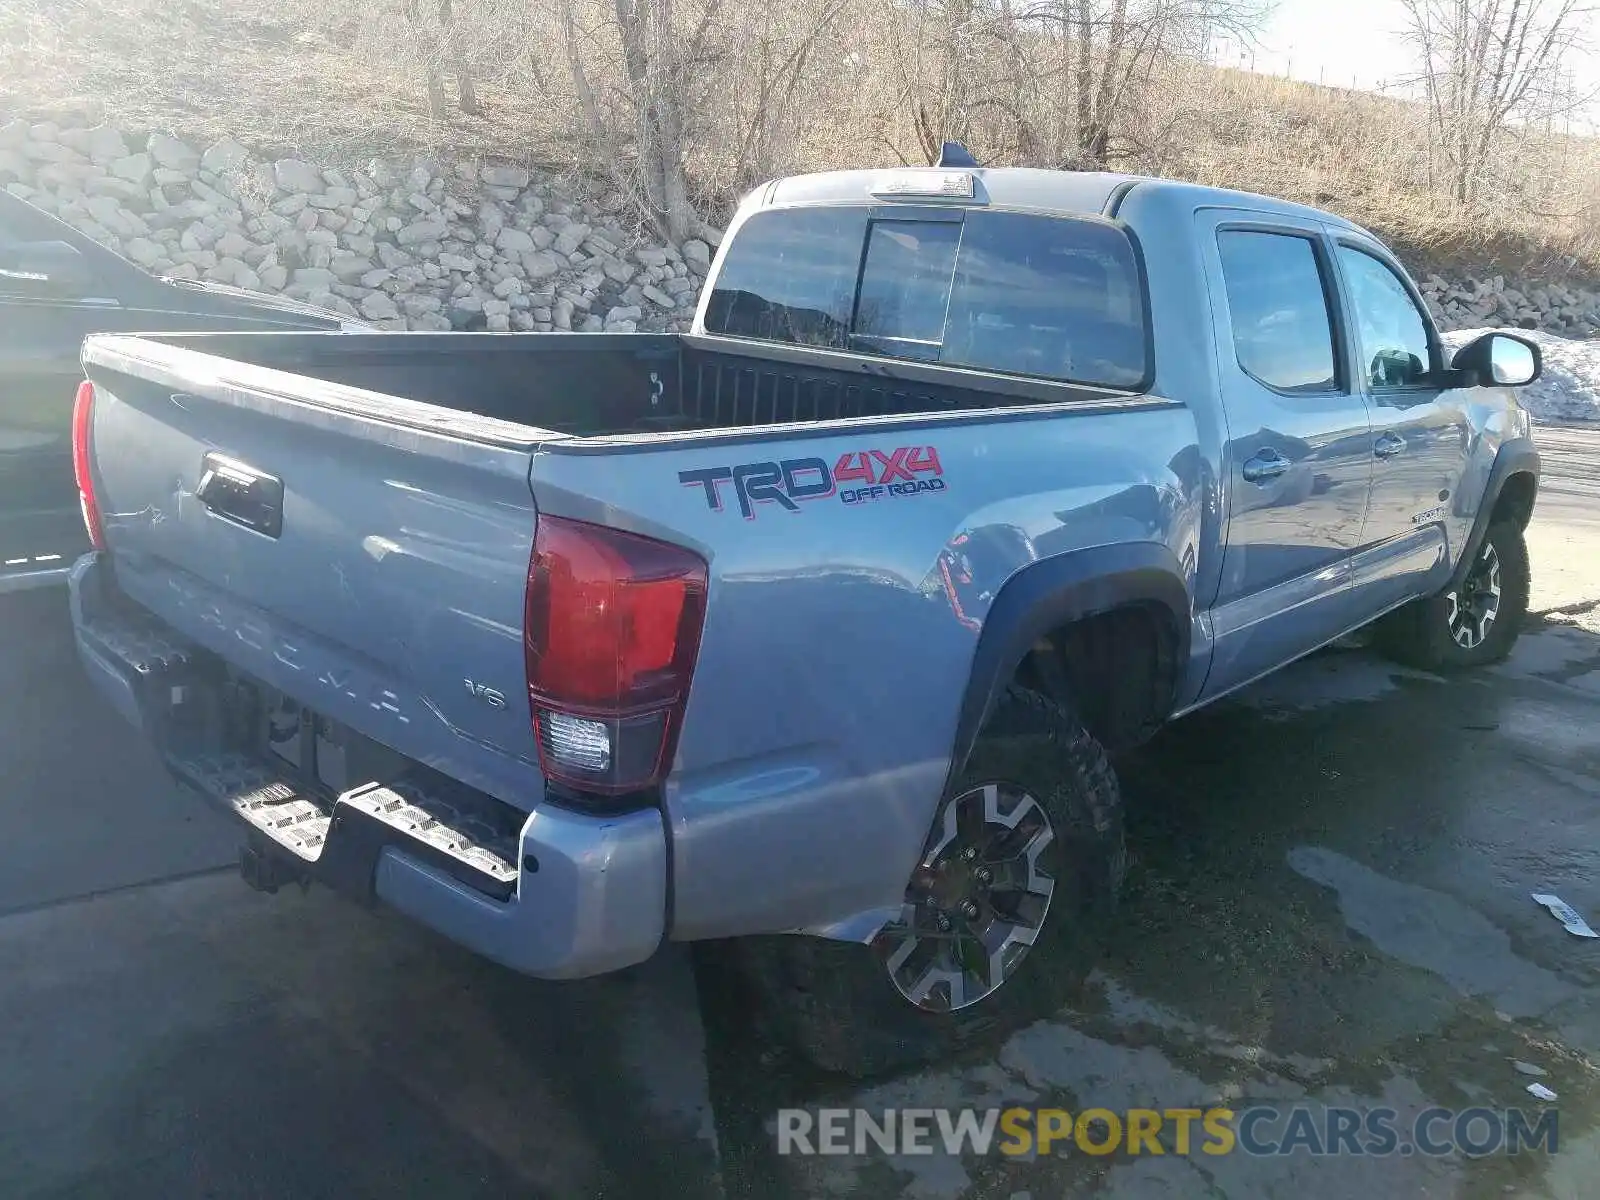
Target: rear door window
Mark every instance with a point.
(1278, 308)
(1056, 298)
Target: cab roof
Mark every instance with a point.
(1078, 193)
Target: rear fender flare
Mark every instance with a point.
(1056, 591)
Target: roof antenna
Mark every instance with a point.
(954, 154)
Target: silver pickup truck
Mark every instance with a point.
(811, 628)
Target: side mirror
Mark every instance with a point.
(1500, 360)
(48, 268)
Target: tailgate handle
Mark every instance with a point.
(239, 493)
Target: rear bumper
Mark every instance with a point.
(564, 895)
(34, 575)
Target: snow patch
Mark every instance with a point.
(1568, 389)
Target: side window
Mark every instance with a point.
(17, 281)
(1390, 331)
(1282, 332)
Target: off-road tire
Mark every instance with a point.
(1418, 635)
(834, 1002)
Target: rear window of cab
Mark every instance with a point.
(1058, 298)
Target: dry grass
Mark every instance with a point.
(1366, 157)
(339, 81)
(319, 80)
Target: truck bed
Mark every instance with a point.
(599, 385)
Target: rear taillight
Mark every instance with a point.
(612, 629)
(82, 415)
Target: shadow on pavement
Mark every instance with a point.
(196, 1039)
(87, 805)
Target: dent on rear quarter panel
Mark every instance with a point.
(839, 637)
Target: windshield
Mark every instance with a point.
(1055, 298)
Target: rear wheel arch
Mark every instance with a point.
(1061, 624)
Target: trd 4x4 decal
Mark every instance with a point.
(858, 477)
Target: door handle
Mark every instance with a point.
(1388, 446)
(1267, 464)
(241, 494)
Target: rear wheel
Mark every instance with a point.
(1471, 625)
(1003, 917)
(977, 900)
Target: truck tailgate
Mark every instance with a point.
(363, 554)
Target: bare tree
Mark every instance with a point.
(643, 134)
(466, 93)
(1115, 45)
(946, 71)
(779, 57)
(439, 46)
(685, 101)
(1061, 73)
(1486, 64)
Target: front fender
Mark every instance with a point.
(1516, 456)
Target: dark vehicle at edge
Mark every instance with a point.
(58, 286)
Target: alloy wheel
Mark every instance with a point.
(1476, 605)
(977, 900)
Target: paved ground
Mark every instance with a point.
(169, 1034)
(1565, 540)
(1328, 902)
